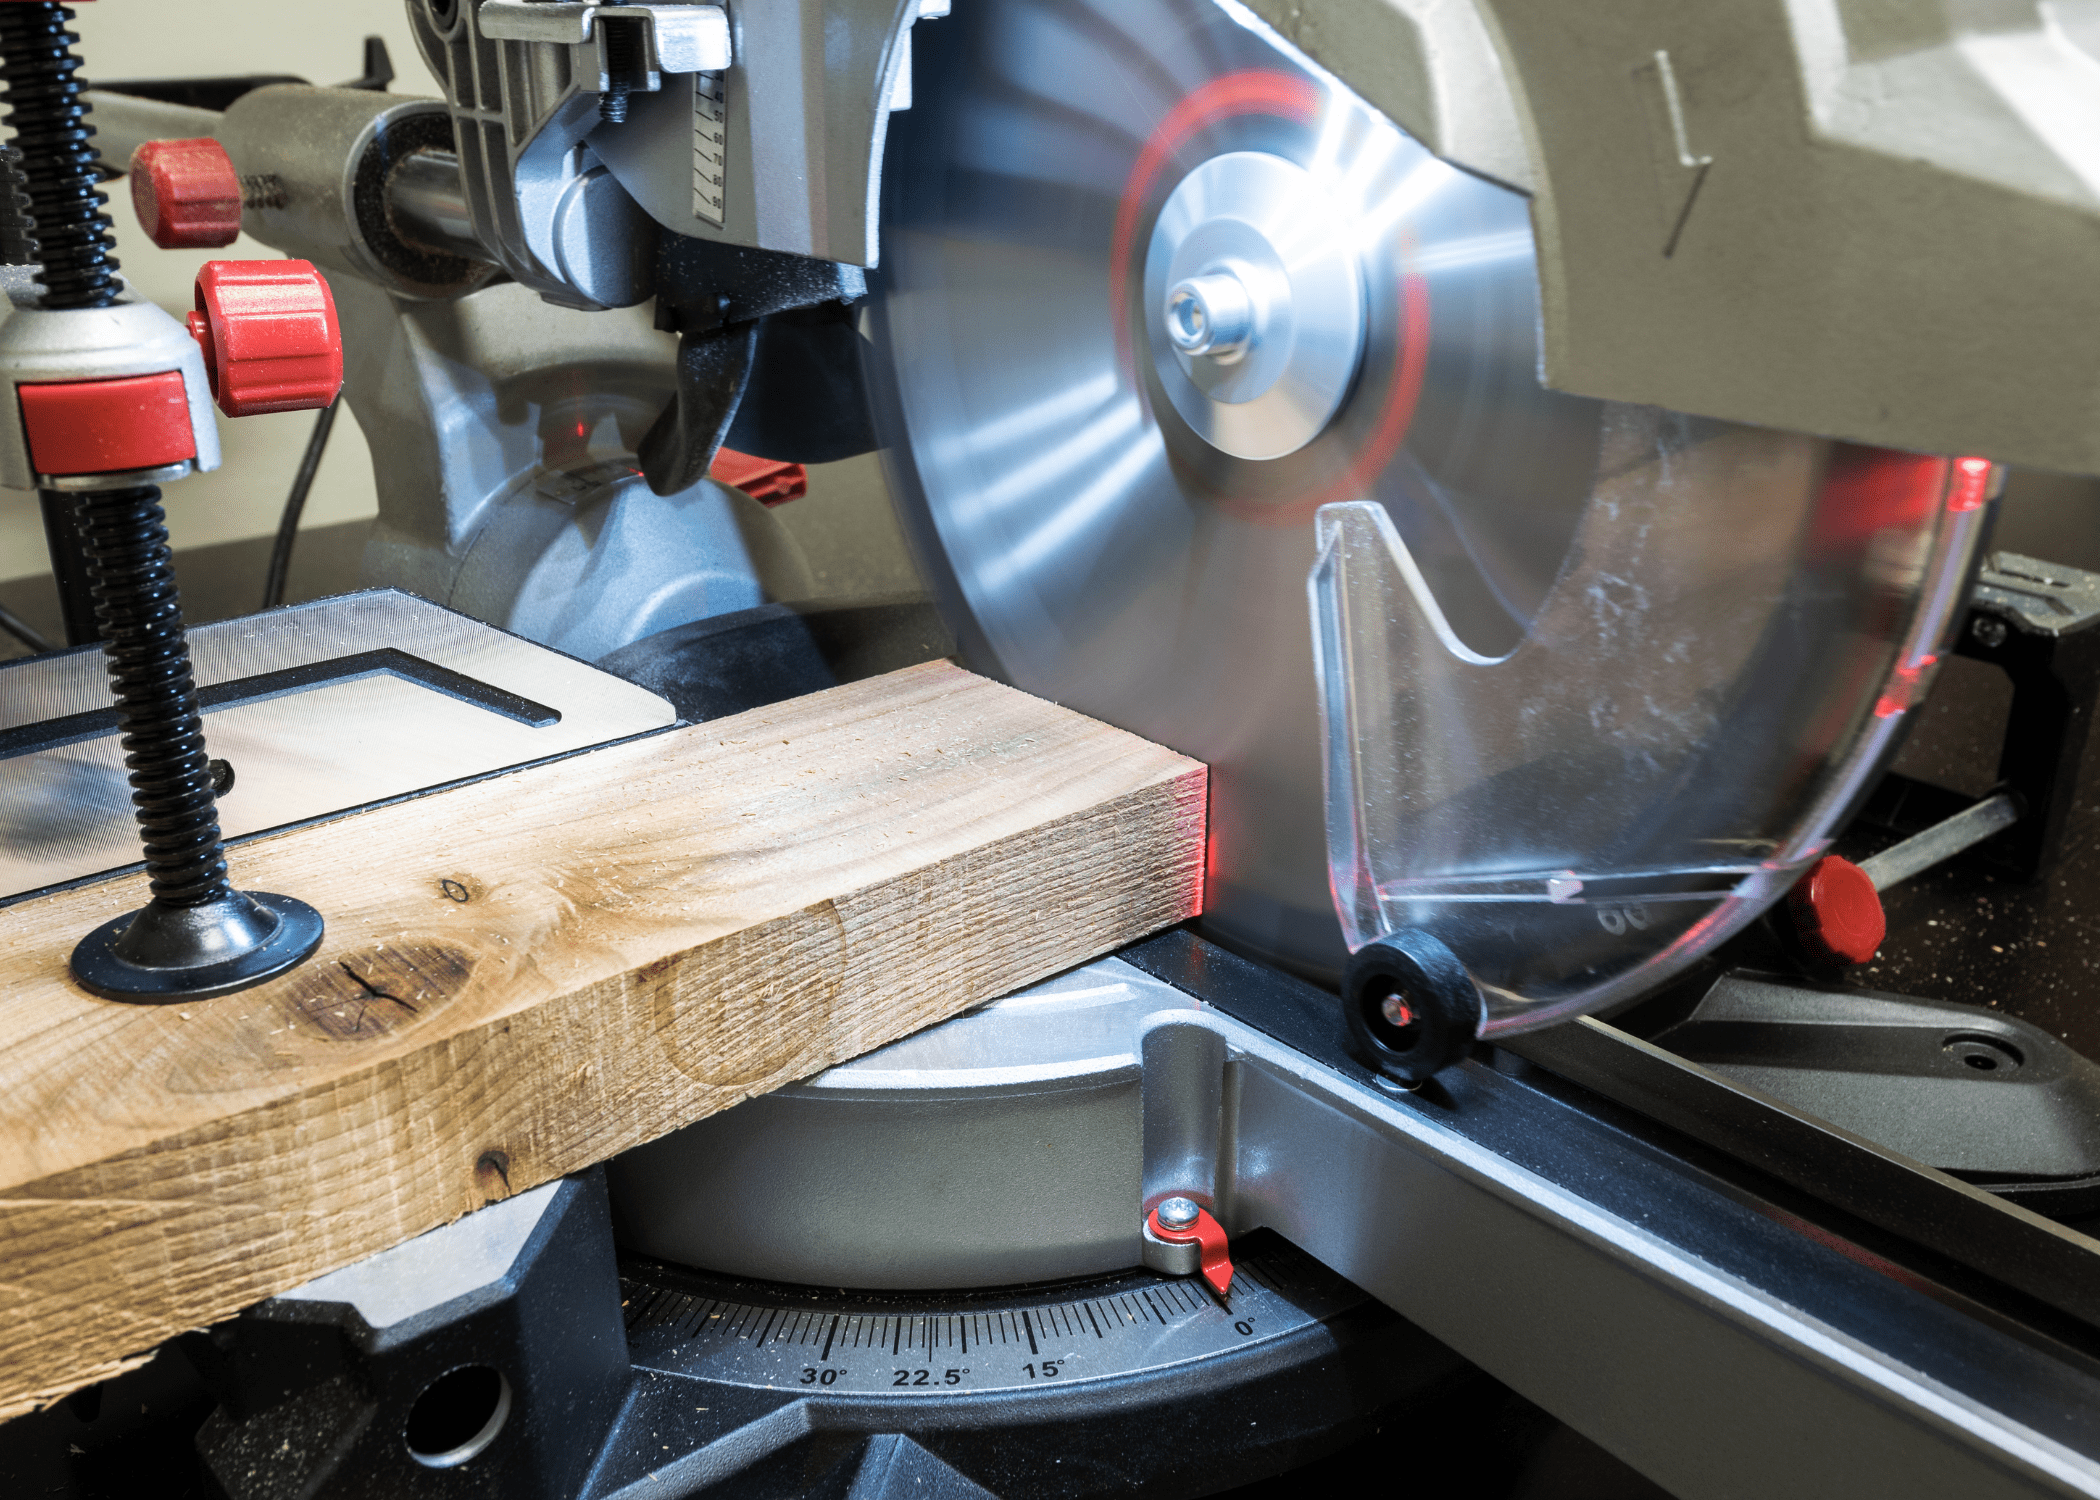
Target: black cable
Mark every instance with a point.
(22, 630)
(378, 73)
(295, 506)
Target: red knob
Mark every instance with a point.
(1837, 912)
(186, 194)
(269, 335)
(769, 481)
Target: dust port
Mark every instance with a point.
(457, 1416)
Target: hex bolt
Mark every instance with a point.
(620, 55)
(1177, 1213)
(1211, 316)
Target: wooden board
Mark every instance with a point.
(527, 975)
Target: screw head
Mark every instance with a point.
(1177, 1213)
(1988, 630)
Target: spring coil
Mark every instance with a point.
(49, 118)
(133, 575)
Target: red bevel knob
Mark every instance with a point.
(1837, 912)
(186, 194)
(269, 336)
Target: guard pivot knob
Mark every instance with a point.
(1412, 1008)
(186, 194)
(269, 335)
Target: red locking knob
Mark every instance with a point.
(1837, 912)
(269, 335)
(186, 194)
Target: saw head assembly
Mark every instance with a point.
(1598, 679)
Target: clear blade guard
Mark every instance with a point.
(1741, 623)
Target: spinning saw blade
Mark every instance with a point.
(1154, 291)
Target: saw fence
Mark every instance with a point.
(527, 975)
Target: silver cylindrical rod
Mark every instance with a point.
(124, 122)
(426, 202)
(1942, 841)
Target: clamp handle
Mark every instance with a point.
(269, 334)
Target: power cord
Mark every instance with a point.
(378, 73)
(295, 506)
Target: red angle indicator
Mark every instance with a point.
(1210, 1234)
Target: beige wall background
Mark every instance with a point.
(845, 526)
(323, 43)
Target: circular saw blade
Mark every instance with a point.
(1099, 552)
(1092, 546)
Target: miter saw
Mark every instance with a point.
(1537, 454)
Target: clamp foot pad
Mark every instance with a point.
(99, 969)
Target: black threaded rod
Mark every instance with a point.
(125, 536)
(198, 936)
(49, 119)
(52, 211)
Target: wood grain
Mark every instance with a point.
(527, 975)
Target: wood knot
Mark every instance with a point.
(492, 1176)
(376, 992)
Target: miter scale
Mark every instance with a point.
(1274, 418)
